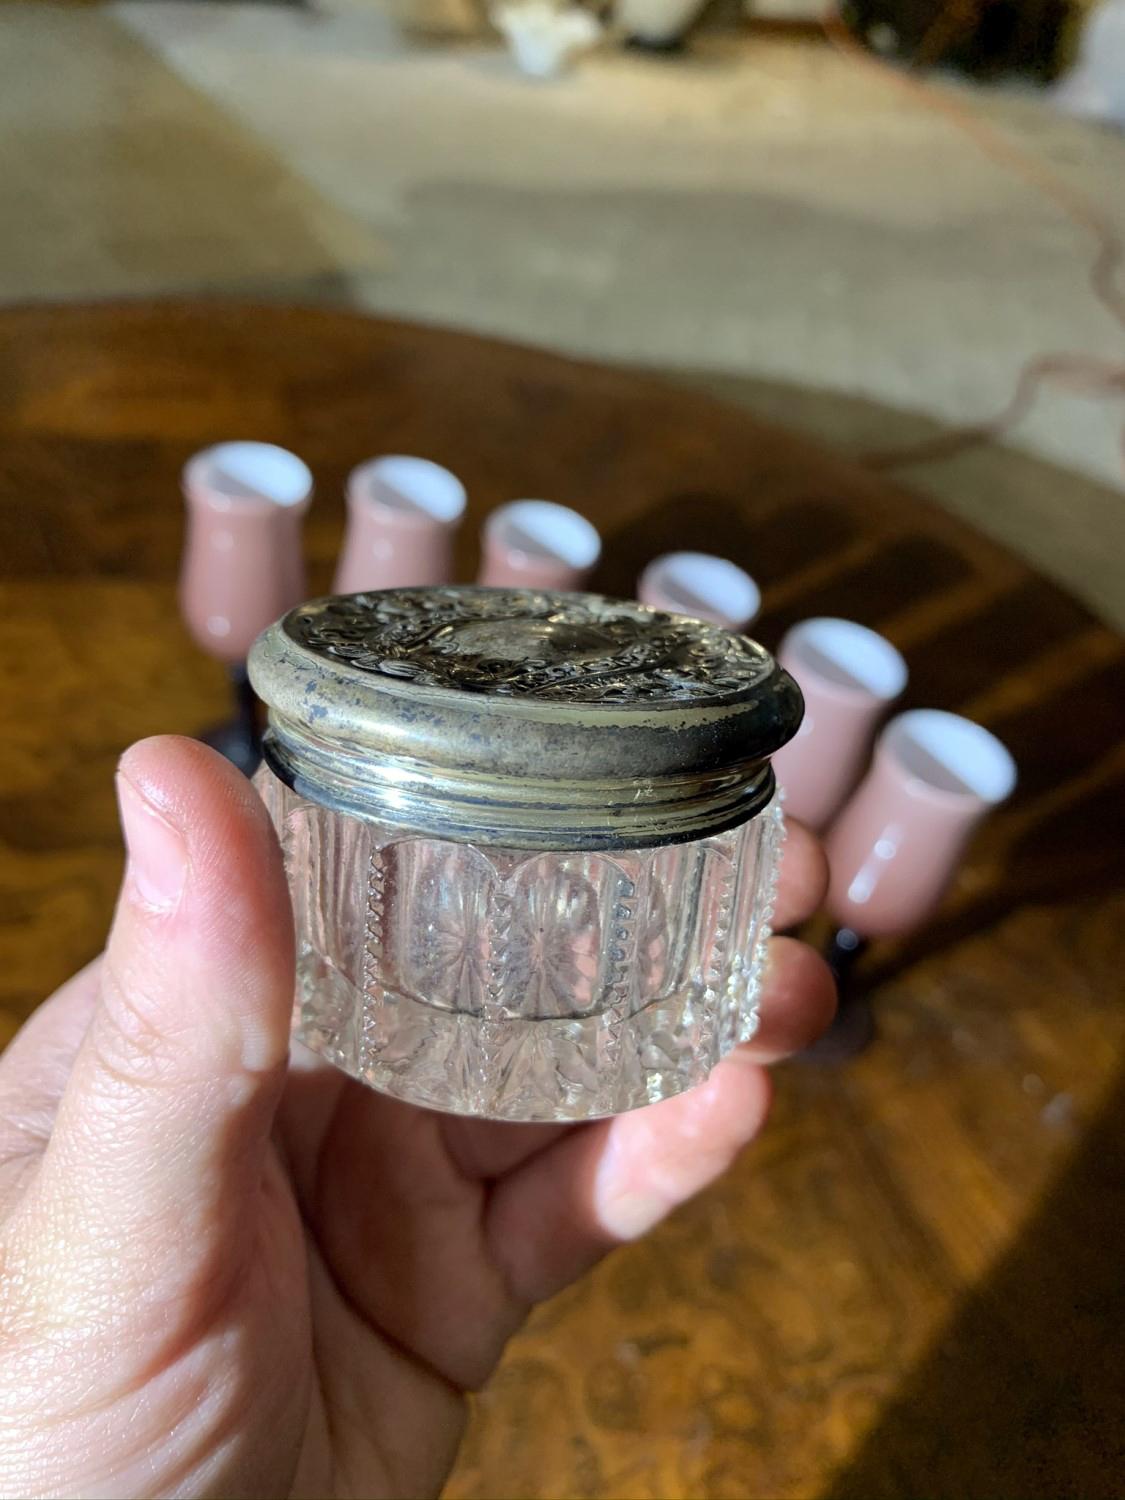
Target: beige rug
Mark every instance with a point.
(764, 217)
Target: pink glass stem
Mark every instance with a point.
(841, 954)
(853, 1026)
(239, 738)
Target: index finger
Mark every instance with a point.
(803, 878)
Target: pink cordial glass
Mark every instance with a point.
(705, 587)
(242, 564)
(896, 846)
(849, 676)
(403, 515)
(537, 544)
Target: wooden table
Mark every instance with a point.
(911, 1285)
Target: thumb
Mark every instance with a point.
(161, 1135)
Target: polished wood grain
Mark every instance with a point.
(910, 1285)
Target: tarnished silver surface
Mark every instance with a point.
(528, 719)
(557, 648)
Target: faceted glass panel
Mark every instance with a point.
(520, 985)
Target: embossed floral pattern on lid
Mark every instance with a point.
(577, 648)
(523, 718)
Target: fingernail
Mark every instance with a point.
(157, 862)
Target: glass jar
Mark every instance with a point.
(531, 840)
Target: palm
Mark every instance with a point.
(411, 1304)
(226, 1274)
(366, 1299)
(429, 1239)
(394, 1252)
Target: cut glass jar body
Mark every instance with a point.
(523, 984)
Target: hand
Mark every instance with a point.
(231, 1272)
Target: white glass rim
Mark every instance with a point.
(245, 470)
(966, 750)
(556, 528)
(846, 657)
(433, 492)
(715, 581)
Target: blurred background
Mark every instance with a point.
(895, 230)
(768, 212)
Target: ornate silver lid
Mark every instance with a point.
(520, 718)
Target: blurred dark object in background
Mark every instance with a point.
(983, 38)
